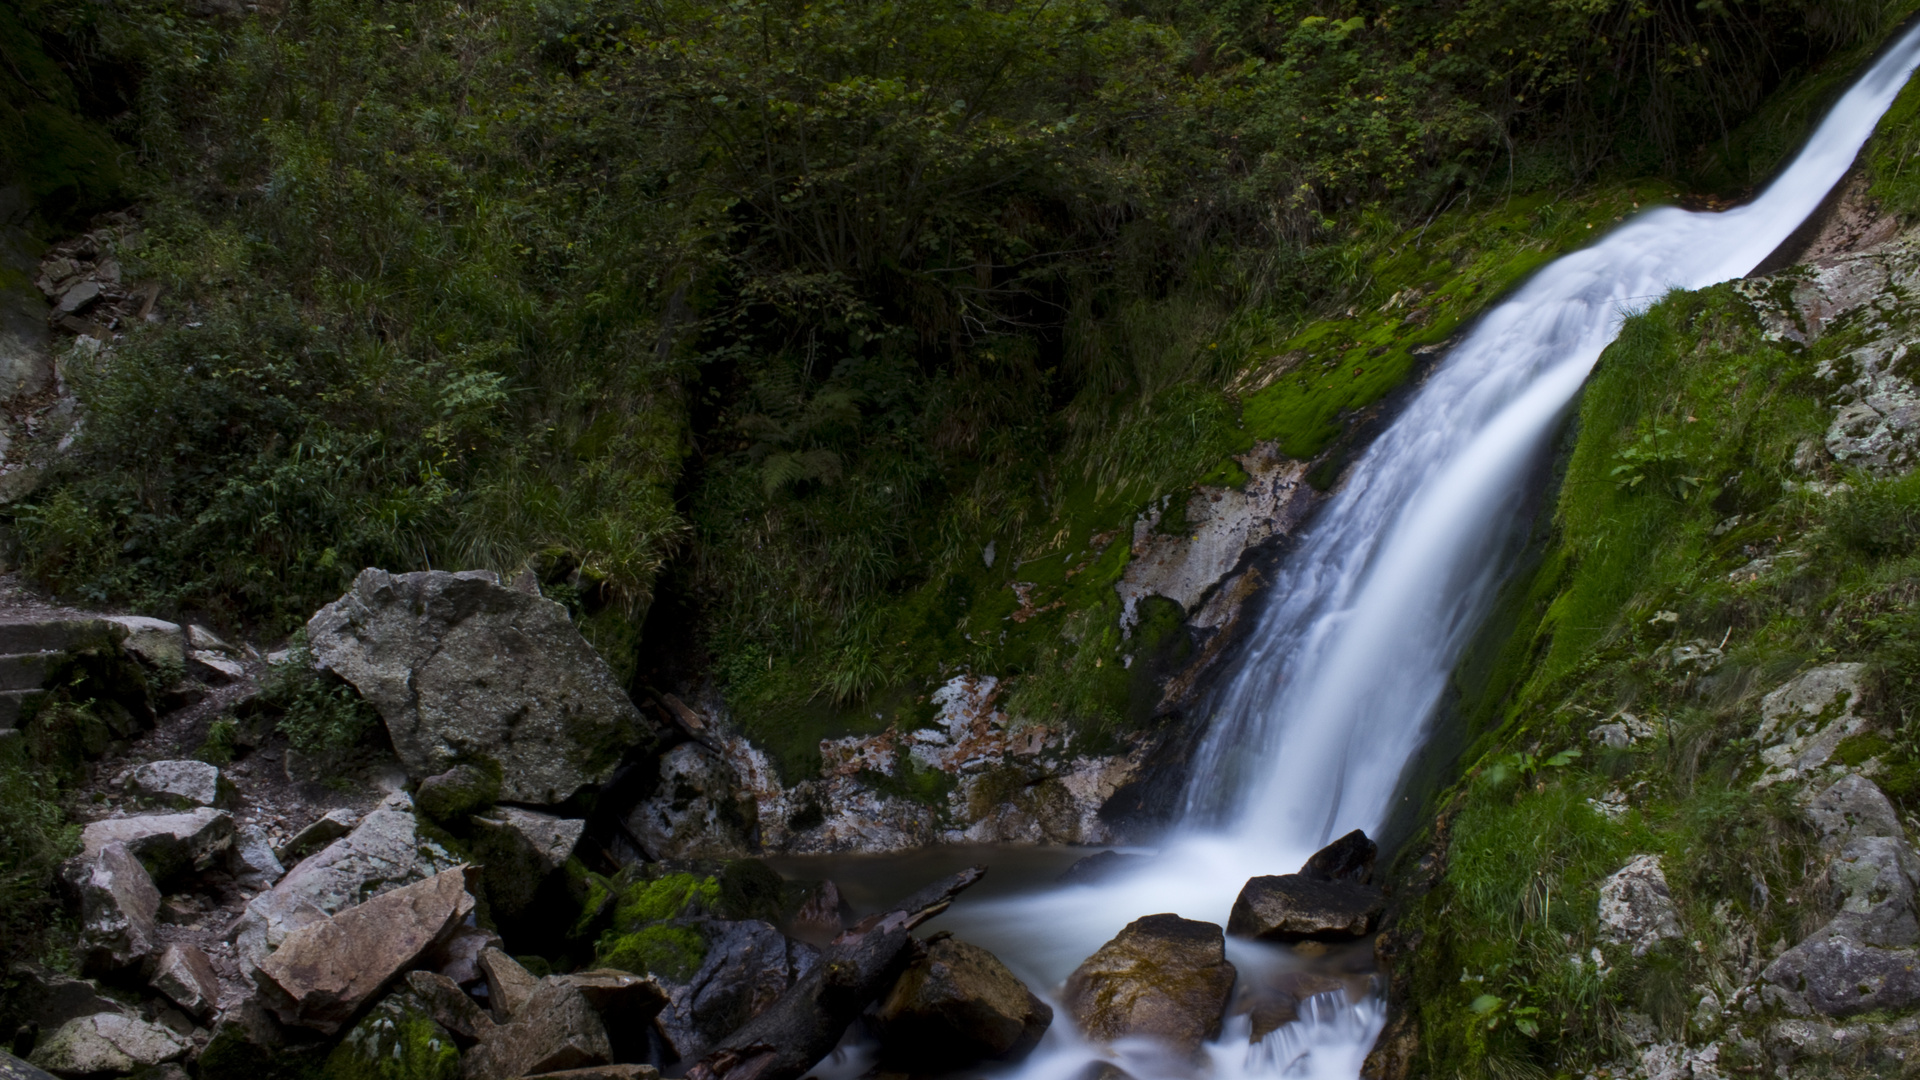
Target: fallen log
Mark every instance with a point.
(799, 1030)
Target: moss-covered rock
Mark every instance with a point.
(398, 1040)
(453, 795)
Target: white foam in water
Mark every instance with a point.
(1312, 733)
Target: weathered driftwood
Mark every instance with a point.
(798, 1031)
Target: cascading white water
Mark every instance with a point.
(1334, 695)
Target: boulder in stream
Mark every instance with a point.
(1163, 977)
(955, 1006)
(1330, 899)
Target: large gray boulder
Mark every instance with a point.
(118, 908)
(106, 1043)
(463, 669)
(1295, 907)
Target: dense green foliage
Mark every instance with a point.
(806, 304)
(1702, 550)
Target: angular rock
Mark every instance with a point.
(1636, 907)
(383, 852)
(1295, 907)
(1804, 720)
(518, 849)
(154, 642)
(956, 1006)
(185, 976)
(201, 639)
(168, 844)
(1838, 976)
(12, 1068)
(555, 1030)
(509, 985)
(454, 794)
(1163, 977)
(627, 1005)
(251, 860)
(1853, 807)
(119, 906)
(46, 1000)
(463, 668)
(323, 973)
(106, 1043)
(699, 810)
(178, 783)
(318, 833)
(458, 956)
(448, 1005)
(214, 669)
(748, 966)
(1873, 882)
(1349, 858)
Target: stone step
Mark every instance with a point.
(56, 634)
(12, 704)
(26, 671)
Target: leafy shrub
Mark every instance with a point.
(317, 710)
(34, 838)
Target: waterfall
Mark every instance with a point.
(1334, 694)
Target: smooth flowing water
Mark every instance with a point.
(1334, 695)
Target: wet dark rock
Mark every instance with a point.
(1275, 1003)
(748, 966)
(1349, 858)
(464, 670)
(1163, 977)
(954, 1006)
(1103, 866)
(1295, 907)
